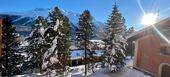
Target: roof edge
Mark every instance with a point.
(142, 30)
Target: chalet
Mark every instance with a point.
(77, 57)
(152, 49)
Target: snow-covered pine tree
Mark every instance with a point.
(37, 46)
(130, 47)
(11, 59)
(129, 31)
(115, 41)
(84, 34)
(64, 41)
(56, 58)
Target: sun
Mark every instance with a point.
(149, 19)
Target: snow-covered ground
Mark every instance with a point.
(78, 71)
(129, 61)
(127, 72)
(102, 72)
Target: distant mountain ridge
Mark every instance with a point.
(24, 20)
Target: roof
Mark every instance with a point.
(149, 29)
(78, 54)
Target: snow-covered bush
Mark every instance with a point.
(55, 59)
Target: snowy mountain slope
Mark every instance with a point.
(24, 20)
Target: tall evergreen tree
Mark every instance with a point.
(130, 46)
(58, 35)
(64, 40)
(84, 34)
(130, 31)
(11, 60)
(115, 41)
(37, 46)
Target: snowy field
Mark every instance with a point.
(78, 71)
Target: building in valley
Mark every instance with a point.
(77, 57)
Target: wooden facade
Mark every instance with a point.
(149, 45)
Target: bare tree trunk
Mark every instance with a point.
(93, 67)
(85, 46)
(40, 63)
(85, 59)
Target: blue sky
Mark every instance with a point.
(100, 9)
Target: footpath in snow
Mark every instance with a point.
(125, 72)
(102, 72)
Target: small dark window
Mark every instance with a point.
(165, 50)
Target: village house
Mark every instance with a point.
(151, 47)
(77, 57)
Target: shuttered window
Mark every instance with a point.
(165, 50)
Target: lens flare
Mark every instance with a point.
(154, 21)
(165, 10)
(160, 34)
(140, 6)
(149, 19)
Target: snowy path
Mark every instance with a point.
(96, 74)
(126, 72)
(78, 71)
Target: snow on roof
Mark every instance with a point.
(136, 33)
(78, 54)
(99, 41)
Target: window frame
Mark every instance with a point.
(163, 48)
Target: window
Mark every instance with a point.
(165, 50)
